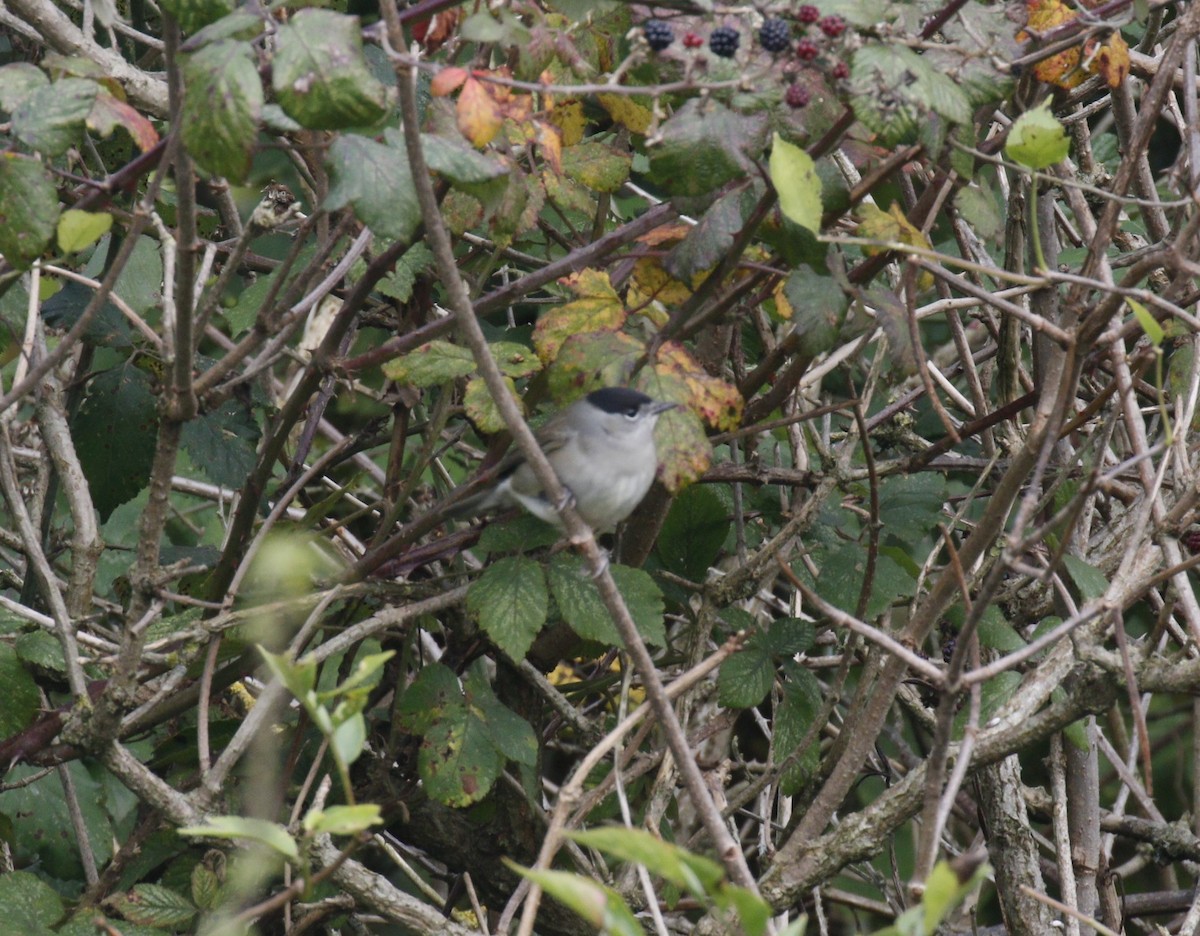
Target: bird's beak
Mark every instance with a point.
(658, 408)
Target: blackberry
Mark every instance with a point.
(658, 34)
(724, 41)
(775, 35)
(832, 26)
(840, 71)
(808, 14)
(806, 50)
(797, 96)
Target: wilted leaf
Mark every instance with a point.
(597, 308)
(482, 409)
(601, 168)
(480, 115)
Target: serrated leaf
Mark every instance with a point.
(795, 178)
(482, 409)
(460, 164)
(320, 75)
(800, 706)
(702, 146)
(154, 905)
(433, 695)
(28, 209)
(51, 119)
(115, 432)
(508, 732)
(222, 107)
(19, 699)
(910, 506)
(694, 532)
(80, 229)
(376, 180)
(593, 360)
(600, 167)
(579, 602)
(41, 652)
(816, 306)
(520, 534)
(223, 442)
(206, 888)
(271, 834)
(1037, 140)
(747, 676)
(107, 328)
(29, 904)
(510, 601)
(709, 240)
(789, 636)
(598, 308)
(596, 904)
(457, 762)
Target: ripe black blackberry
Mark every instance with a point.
(658, 34)
(724, 41)
(775, 35)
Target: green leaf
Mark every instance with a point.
(794, 176)
(789, 636)
(40, 651)
(154, 905)
(893, 90)
(510, 601)
(1037, 140)
(433, 695)
(433, 363)
(698, 875)
(704, 145)
(694, 532)
(299, 677)
(206, 888)
(644, 599)
(995, 694)
(28, 904)
(349, 738)
(910, 507)
(28, 209)
(457, 761)
(107, 328)
(1149, 324)
(17, 82)
(342, 820)
(752, 911)
(114, 432)
(194, 15)
(222, 107)
(579, 601)
(19, 699)
(800, 706)
(461, 164)
(223, 443)
(1090, 581)
(600, 906)
(240, 24)
(320, 75)
(520, 534)
(710, 239)
(50, 119)
(508, 732)
(817, 308)
(599, 167)
(376, 180)
(271, 834)
(80, 229)
(747, 676)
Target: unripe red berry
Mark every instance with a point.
(808, 14)
(832, 26)
(797, 96)
(806, 50)
(693, 40)
(840, 71)
(1191, 540)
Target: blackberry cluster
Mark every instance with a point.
(658, 34)
(775, 35)
(724, 41)
(796, 96)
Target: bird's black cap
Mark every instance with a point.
(617, 399)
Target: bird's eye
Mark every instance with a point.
(631, 413)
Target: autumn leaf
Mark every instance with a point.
(716, 402)
(479, 116)
(447, 81)
(598, 309)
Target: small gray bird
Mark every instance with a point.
(601, 448)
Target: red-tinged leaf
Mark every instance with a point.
(716, 402)
(684, 452)
(598, 309)
(108, 113)
(1109, 60)
(447, 81)
(479, 116)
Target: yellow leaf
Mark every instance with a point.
(597, 309)
(479, 116)
(625, 111)
(568, 116)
